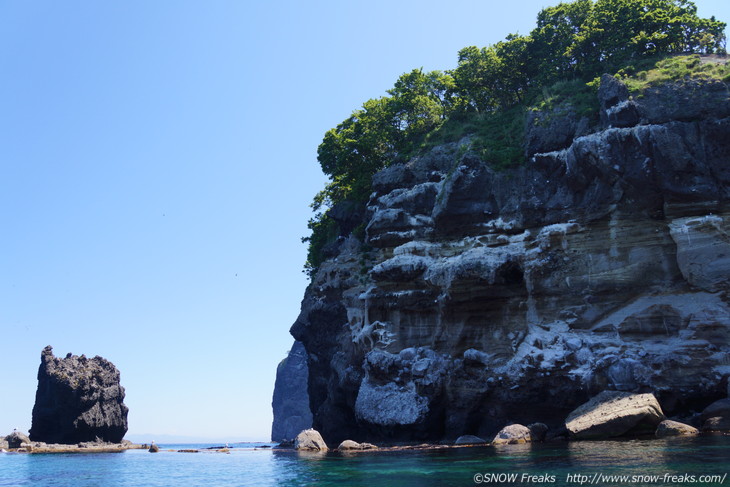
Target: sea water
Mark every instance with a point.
(679, 461)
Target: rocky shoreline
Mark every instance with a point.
(17, 442)
(611, 415)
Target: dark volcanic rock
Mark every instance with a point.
(616, 108)
(78, 399)
(717, 423)
(718, 408)
(552, 130)
(470, 440)
(16, 439)
(291, 400)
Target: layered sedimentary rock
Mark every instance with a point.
(482, 297)
(290, 402)
(78, 400)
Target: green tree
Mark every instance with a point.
(418, 102)
(553, 38)
(354, 150)
(515, 72)
(617, 31)
(475, 78)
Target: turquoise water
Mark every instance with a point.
(636, 462)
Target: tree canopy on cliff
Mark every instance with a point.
(576, 41)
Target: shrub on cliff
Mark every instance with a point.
(491, 88)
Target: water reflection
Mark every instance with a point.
(674, 456)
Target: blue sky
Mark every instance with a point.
(157, 160)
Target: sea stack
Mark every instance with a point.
(291, 400)
(78, 400)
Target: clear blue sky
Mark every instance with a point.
(157, 160)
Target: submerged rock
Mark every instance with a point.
(311, 440)
(470, 440)
(613, 413)
(674, 428)
(78, 400)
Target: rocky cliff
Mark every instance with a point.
(78, 400)
(482, 297)
(290, 402)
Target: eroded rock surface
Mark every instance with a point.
(16, 439)
(78, 400)
(481, 297)
(290, 402)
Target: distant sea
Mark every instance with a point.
(681, 461)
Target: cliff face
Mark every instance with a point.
(482, 297)
(290, 402)
(78, 399)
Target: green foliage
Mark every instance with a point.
(379, 132)
(579, 94)
(552, 40)
(492, 77)
(673, 68)
(500, 138)
(488, 93)
(618, 31)
(324, 231)
(354, 150)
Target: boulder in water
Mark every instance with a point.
(719, 408)
(718, 423)
(613, 413)
(310, 440)
(512, 435)
(538, 431)
(355, 446)
(674, 428)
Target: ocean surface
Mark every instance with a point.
(680, 461)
